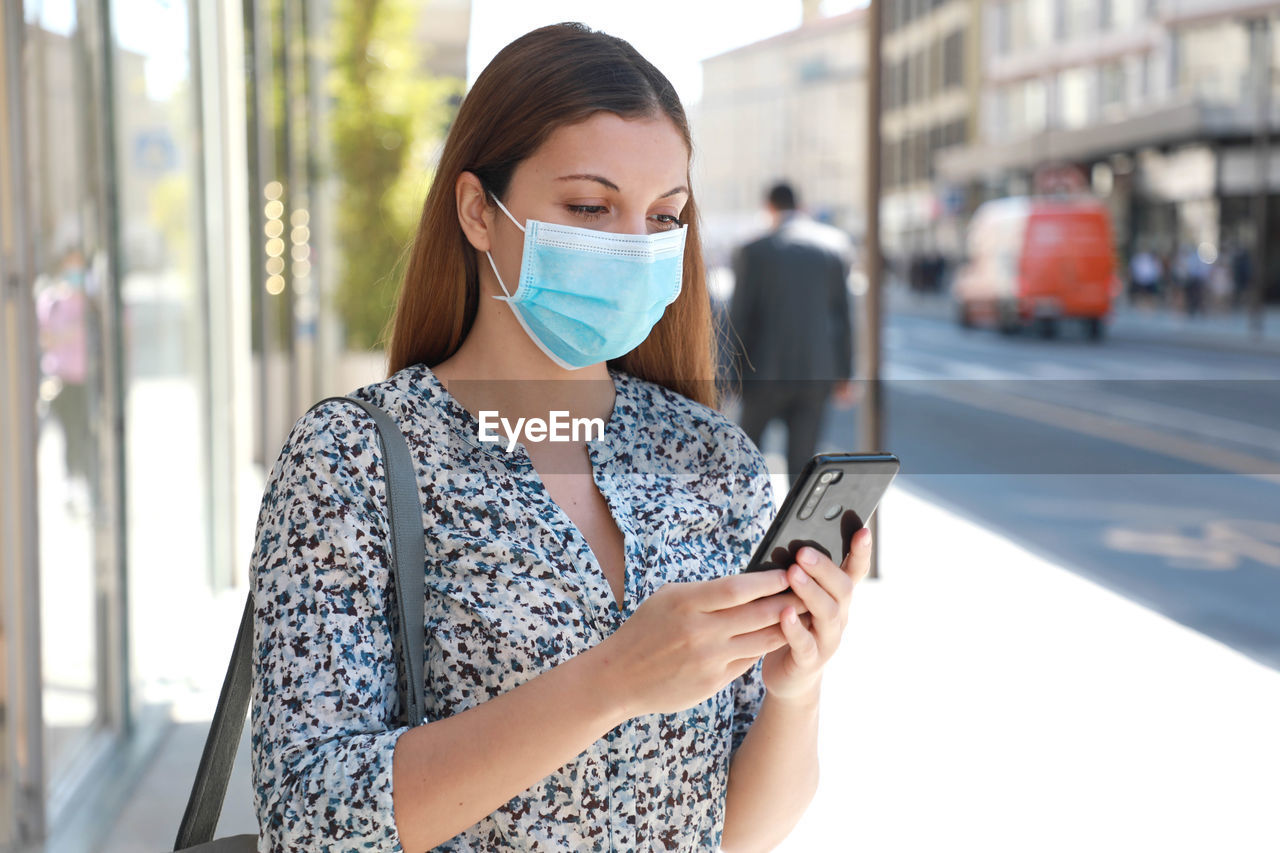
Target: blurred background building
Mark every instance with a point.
(1152, 105)
(789, 107)
(929, 103)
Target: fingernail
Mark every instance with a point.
(866, 541)
(801, 577)
(808, 556)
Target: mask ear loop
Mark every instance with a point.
(494, 266)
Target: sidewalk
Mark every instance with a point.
(1219, 331)
(987, 699)
(983, 699)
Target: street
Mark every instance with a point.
(1150, 468)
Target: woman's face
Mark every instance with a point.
(627, 176)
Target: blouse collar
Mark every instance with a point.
(618, 428)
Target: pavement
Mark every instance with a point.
(984, 697)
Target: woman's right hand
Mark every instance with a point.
(688, 641)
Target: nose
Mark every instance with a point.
(631, 223)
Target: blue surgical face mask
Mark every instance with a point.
(586, 296)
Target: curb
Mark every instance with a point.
(1269, 345)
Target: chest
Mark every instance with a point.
(566, 476)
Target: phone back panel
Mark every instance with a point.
(832, 517)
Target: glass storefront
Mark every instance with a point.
(79, 665)
(126, 246)
(164, 339)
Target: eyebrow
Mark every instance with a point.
(611, 185)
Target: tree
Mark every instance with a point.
(388, 118)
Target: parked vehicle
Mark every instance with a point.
(1038, 261)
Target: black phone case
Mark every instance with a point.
(841, 510)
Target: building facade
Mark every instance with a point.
(930, 99)
(791, 107)
(1152, 105)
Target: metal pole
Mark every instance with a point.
(873, 402)
(1261, 145)
(22, 753)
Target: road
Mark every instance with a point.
(1151, 468)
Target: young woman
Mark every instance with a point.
(594, 671)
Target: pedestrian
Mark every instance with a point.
(595, 666)
(1241, 275)
(1144, 278)
(1220, 285)
(64, 313)
(790, 312)
(1193, 272)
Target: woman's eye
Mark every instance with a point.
(666, 221)
(588, 211)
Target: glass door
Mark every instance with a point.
(72, 646)
(72, 311)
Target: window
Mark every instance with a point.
(1019, 25)
(1031, 107)
(1121, 14)
(1001, 32)
(934, 54)
(1073, 97)
(1111, 78)
(953, 60)
(1079, 18)
(1040, 23)
(814, 68)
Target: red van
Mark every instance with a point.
(1039, 261)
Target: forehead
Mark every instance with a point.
(634, 153)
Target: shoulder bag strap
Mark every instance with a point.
(204, 806)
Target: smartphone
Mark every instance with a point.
(832, 500)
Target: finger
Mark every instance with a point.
(760, 613)
(804, 646)
(733, 590)
(828, 614)
(818, 601)
(757, 643)
(829, 576)
(736, 669)
(857, 563)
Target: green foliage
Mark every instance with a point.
(388, 118)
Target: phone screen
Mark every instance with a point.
(832, 499)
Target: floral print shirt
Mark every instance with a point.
(512, 589)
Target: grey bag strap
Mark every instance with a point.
(204, 806)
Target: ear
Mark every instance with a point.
(475, 213)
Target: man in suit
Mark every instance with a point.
(790, 312)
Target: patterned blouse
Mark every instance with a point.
(512, 589)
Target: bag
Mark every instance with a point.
(207, 794)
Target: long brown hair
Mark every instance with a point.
(551, 77)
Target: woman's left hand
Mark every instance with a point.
(794, 672)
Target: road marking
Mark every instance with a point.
(1204, 425)
(1121, 432)
(1222, 545)
(1151, 413)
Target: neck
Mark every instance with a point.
(499, 368)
